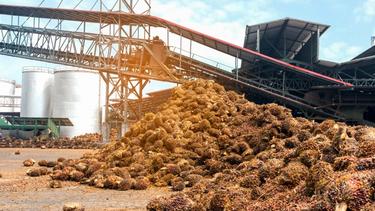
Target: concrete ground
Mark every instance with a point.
(20, 192)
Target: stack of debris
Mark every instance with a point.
(294, 164)
(235, 155)
(87, 141)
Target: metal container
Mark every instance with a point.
(7, 89)
(37, 85)
(76, 95)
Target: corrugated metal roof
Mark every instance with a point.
(296, 32)
(366, 53)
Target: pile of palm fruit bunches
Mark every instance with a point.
(219, 151)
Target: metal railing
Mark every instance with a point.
(361, 82)
(10, 101)
(201, 58)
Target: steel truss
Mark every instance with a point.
(115, 52)
(356, 76)
(285, 82)
(370, 83)
(119, 86)
(77, 49)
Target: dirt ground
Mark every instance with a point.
(20, 192)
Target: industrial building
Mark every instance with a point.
(9, 96)
(279, 62)
(297, 42)
(68, 101)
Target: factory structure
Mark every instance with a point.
(279, 62)
(68, 98)
(71, 98)
(10, 97)
(296, 42)
(72, 94)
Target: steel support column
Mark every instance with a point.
(120, 85)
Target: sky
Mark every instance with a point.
(352, 23)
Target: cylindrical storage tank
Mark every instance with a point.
(7, 89)
(76, 95)
(37, 83)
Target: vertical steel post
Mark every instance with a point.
(284, 82)
(317, 43)
(180, 50)
(284, 40)
(106, 130)
(168, 38)
(236, 63)
(190, 49)
(140, 97)
(258, 39)
(125, 112)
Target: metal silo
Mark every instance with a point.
(76, 95)
(36, 91)
(7, 89)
